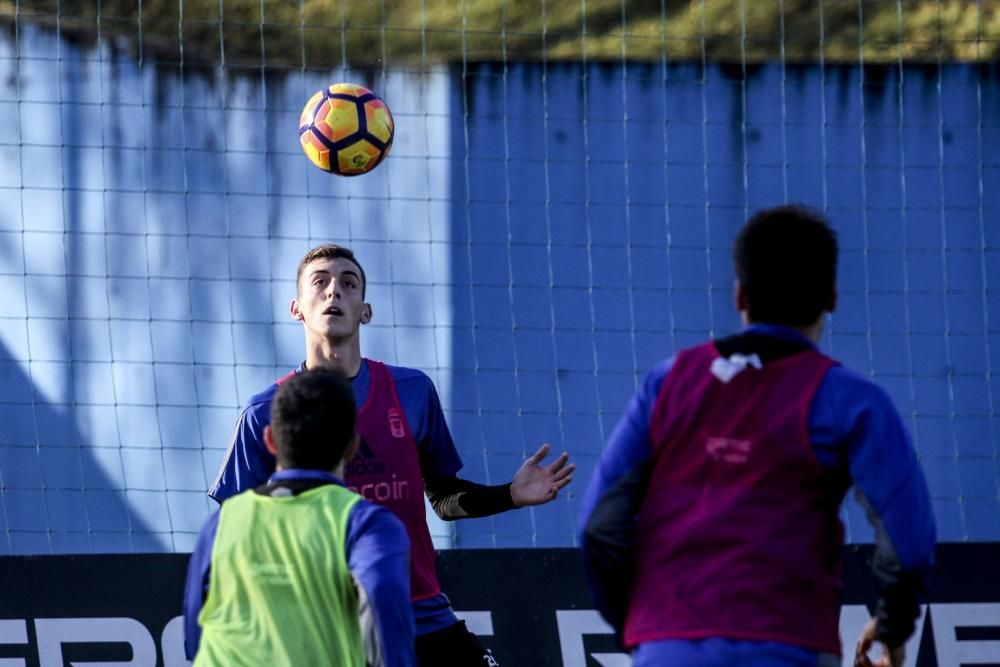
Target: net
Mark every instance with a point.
(556, 216)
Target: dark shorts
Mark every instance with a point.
(453, 646)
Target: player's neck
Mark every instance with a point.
(813, 332)
(343, 356)
(337, 472)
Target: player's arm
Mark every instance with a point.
(449, 496)
(890, 485)
(378, 553)
(196, 585)
(455, 498)
(247, 464)
(534, 484)
(612, 501)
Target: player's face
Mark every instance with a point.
(330, 303)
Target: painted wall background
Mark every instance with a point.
(539, 237)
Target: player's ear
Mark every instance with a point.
(296, 311)
(352, 448)
(740, 297)
(366, 313)
(269, 440)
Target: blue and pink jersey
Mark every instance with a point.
(722, 483)
(404, 438)
(387, 471)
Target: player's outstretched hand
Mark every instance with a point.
(535, 484)
(889, 658)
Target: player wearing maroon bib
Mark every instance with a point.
(711, 530)
(406, 449)
(738, 529)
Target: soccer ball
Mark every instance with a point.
(346, 130)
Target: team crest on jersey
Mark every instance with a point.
(396, 423)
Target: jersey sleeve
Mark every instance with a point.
(247, 463)
(612, 502)
(628, 446)
(378, 556)
(438, 454)
(196, 584)
(884, 467)
(891, 487)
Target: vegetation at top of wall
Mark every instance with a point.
(324, 34)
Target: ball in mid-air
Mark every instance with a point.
(346, 129)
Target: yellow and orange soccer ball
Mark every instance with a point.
(346, 129)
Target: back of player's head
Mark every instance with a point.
(312, 419)
(786, 262)
(326, 251)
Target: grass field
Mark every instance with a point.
(328, 33)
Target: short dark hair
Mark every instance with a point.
(330, 250)
(786, 261)
(312, 419)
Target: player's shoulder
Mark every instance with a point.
(406, 373)
(262, 399)
(369, 511)
(660, 370)
(849, 386)
(656, 376)
(411, 378)
(369, 518)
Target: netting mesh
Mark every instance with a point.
(556, 216)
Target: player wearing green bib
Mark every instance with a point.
(302, 571)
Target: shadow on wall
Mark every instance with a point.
(63, 496)
(148, 253)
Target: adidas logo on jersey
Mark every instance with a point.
(365, 463)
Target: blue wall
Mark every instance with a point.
(537, 239)
(597, 245)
